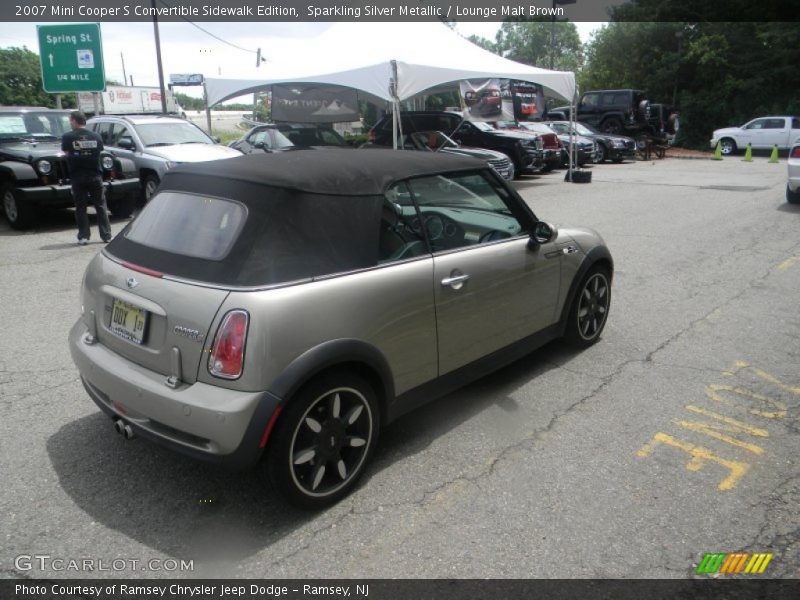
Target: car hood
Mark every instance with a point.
(31, 150)
(480, 153)
(582, 140)
(727, 131)
(193, 152)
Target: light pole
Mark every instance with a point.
(158, 60)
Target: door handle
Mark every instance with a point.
(455, 281)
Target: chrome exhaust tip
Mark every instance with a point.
(119, 426)
(128, 431)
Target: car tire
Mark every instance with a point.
(149, 186)
(517, 168)
(601, 154)
(792, 197)
(20, 215)
(611, 125)
(323, 440)
(122, 208)
(728, 146)
(589, 311)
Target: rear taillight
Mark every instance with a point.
(795, 152)
(227, 352)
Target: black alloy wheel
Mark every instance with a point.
(589, 310)
(323, 441)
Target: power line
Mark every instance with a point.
(216, 37)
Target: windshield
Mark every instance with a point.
(483, 126)
(433, 140)
(33, 125)
(167, 134)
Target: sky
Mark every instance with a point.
(187, 49)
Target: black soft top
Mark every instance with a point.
(333, 172)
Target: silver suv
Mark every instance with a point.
(281, 309)
(156, 143)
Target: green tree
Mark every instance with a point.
(541, 43)
(483, 43)
(21, 80)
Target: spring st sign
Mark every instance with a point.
(71, 57)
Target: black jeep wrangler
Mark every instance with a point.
(33, 169)
(618, 112)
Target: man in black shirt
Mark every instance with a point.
(83, 159)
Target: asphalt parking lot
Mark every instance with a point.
(670, 438)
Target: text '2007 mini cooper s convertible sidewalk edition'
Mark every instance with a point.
(280, 309)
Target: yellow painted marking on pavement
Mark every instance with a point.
(755, 431)
(788, 263)
(700, 456)
(737, 366)
(713, 392)
(740, 364)
(709, 430)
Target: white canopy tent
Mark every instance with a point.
(364, 55)
(386, 61)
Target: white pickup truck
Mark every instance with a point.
(764, 132)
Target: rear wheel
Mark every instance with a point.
(792, 197)
(323, 440)
(20, 215)
(589, 311)
(611, 125)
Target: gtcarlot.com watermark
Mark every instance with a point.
(46, 562)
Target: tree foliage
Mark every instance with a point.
(21, 80)
(718, 74)
(540, 43)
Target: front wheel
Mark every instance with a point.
(600, 155)
(149, 186)
(323, 441)
(20, 215)
(589, 311)
(727, 146)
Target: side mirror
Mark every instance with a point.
(543, 233)
(126, 142)
(216, 139)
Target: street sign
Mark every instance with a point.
(186, 79)
(71, 57)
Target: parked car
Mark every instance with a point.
(524, 150)
(615, 148)
(155, 144)
(282, 309)
(793, 182)
(615, 112)
(263, 138)
(551, 145)
(33, 168)
(436, 141)
(761, 133)
(311, 135)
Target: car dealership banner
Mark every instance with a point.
(501, 100)
(314, 104)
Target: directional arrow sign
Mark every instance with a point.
(71, 57)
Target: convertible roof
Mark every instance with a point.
(335, 172)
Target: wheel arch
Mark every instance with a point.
(16, 171)
(597, 256)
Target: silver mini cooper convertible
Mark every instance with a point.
(281, 309)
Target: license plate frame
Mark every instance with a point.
(128, 321)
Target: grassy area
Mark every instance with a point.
(226, 137)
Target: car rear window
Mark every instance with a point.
(189, 225)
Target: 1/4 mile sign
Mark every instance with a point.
(72, 58)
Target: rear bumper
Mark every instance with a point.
(61, 195)
(203, 421)
(794, 177)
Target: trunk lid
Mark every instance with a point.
(174, 317)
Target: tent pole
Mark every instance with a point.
(395, 104)
(573, 151)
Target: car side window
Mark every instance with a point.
(119, 132)
(260, 137)
(591, 100)
(795, 123)
(400, 236)
(465, 209)
(104, 131)
(757, 124)
(775, 124)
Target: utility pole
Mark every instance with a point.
(158, 60)
(124, 74)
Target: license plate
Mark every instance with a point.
(128, 321)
